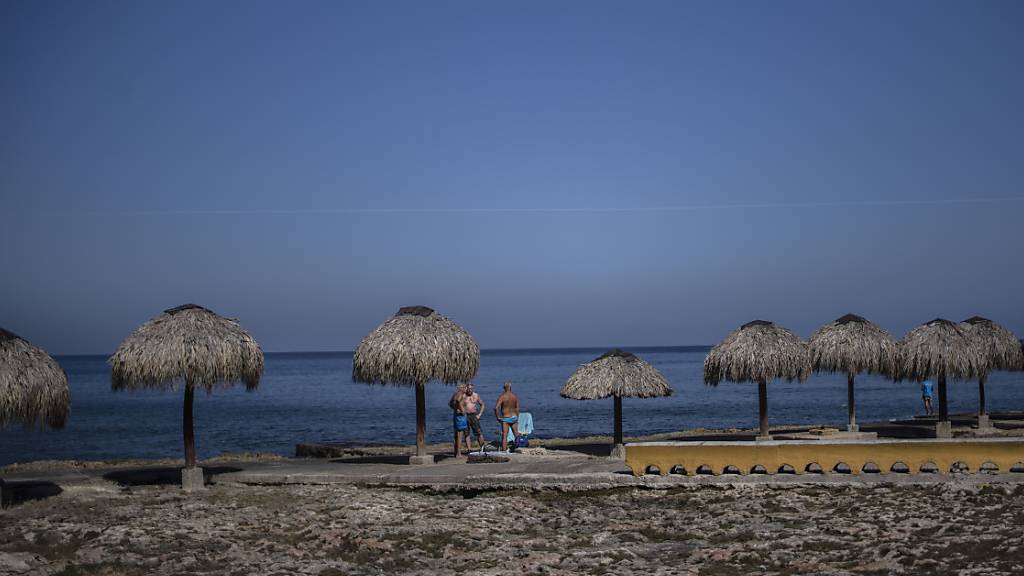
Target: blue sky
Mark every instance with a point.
(546, 174)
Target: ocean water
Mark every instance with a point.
(310, 397)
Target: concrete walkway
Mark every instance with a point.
(559, 472)
(569, 473)
(523, 471)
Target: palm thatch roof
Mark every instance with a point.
(852, 345)
(758, 351)
(415, 346)
(33, 387)
(1000, 348)
(188, 343)
(939, 349)
(616, 373)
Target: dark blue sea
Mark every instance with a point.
(310, 397)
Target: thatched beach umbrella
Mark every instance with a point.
(1000, 349)
(413, 347)
(758, 351)
(190, 345)
(616, 373)
(33, 387)
(852, 345)
(939, 349)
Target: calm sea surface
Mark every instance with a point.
(311, 398)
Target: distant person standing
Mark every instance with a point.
(473, 406)
(506, 409)
(926, 394)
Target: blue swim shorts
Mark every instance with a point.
(460, 422)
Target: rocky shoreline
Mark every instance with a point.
(344, 529)
(95, 525)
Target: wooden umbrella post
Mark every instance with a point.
(943, 408)
(983, 421)
(421, 456)
(762, 400)
(618, 449)
(191, 475)
(186, 425)
(981, 396)
(943, 428)
(851, 405)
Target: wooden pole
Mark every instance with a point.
(762, 400)
(943, 410)
(618, 420)
(421, 421)
(851, 403)
(186, 424)
(981, 396)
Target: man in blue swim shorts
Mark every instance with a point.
(506, 410)
(460, 423)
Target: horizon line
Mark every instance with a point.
(542, 209)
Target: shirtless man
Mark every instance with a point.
(473, 406)
(460, 423)
(506, 410)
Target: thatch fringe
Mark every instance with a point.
(852, 345)
(416, 345)
(616, 373)
(999, 347)
(758, 351)
(33, 387)
(187, 344)
(939, 349)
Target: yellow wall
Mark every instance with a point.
(772, 455)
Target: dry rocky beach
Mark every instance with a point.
(102, 527)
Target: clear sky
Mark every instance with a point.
(545, 173)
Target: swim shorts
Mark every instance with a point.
(459, 422)
(474, 424)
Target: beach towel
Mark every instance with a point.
(525, 427)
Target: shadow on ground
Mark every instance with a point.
(17, 492)
(161, 476)
(909, 429)
(602, 449)
(388, 459)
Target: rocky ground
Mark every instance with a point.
(107, 529)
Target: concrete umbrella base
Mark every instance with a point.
(984, 422)
(419, 460)
(618, 452)
(944, 429)
(192, 479)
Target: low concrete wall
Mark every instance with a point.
(772, 455)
